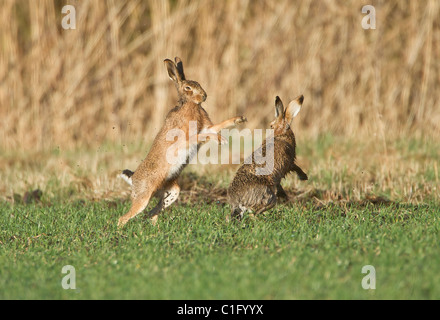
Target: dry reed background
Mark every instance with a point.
(105, 81)
(104, 84)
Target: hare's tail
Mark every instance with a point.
(126, 176)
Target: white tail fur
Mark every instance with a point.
(126, 178)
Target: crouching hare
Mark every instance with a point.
(254, 188)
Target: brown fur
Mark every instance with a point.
(258, 193)
(155, 175)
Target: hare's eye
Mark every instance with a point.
(188, 88)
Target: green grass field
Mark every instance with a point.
(381, 210)
(293, 252)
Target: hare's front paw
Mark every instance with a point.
(239, 120)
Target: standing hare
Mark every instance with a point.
(254, 188)
(156, 175)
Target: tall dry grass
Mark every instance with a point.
(105, 81)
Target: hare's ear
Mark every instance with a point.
(172, 70)
(279, 108)
(179, 67)
(294, 108)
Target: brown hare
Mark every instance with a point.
(255, 188)
(158, 176)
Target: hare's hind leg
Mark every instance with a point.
(268, 206)
(267, 201)
(138, 204)
(171, 193)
